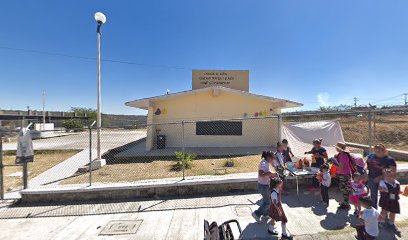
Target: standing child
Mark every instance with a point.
(276, 211)
(279, 164)
(389, 199)
(358, 191)
(325, 183)
(280, 154)
(264, 177)
(319, 154)
(369, 229)
(287, 151)
(360, 163)
(345, 169)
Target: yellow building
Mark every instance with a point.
(213, 117)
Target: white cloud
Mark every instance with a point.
(323, 99)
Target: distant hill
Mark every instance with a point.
(113, 120)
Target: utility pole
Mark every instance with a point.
(43, 109)
(405, 99)
(355, 102)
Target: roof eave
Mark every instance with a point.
(144, 103)
(290, 104)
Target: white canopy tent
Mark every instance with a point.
(301, 135)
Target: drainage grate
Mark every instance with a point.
(121, 227)
(243, 211)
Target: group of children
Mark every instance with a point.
(273, 202)
(352, 182)
(353, 185)
(389, 189)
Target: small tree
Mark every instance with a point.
(72, 124)
(90, 113)
(184, 160)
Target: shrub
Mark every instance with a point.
(229, 162)
(72, 124)
(184, 160)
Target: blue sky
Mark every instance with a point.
(317, 52)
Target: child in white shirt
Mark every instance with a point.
(325, 182)
(369, 229)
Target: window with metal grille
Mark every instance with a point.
(219, 128)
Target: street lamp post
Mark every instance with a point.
(100, 19)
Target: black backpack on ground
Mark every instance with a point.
(223, 232)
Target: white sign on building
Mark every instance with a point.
(235, 79)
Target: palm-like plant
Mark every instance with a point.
(184, 160)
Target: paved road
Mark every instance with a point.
(109, 139)
(179, 218)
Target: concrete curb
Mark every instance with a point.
(397, 154)
(128, 191)
(193, 186)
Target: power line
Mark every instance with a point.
(91, 58)
(387, 99)
(153, 65)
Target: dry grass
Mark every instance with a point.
(393, 131)
(43, 161)
(390, 130)
(158, 169)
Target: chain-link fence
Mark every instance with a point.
(140, 153)
(355, 125)
(391, 128)
(366, 127)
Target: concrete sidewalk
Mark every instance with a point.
(179, 219)
(61, 171)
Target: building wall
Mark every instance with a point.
(207, 105)
(255, 132)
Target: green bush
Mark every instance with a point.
(229, 162)
(91, 114)
(72, 124)
(184, 160)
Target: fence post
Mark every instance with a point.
(374, 129)
(183, 147)
(25, 174)
(90, 156)
(90, 152)
(25, 163)
(370, 144)
(280, 122)
(1, 167)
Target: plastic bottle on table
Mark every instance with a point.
(306, 162)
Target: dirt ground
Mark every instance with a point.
(390, 130)
(43, 161)
(157, 169)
